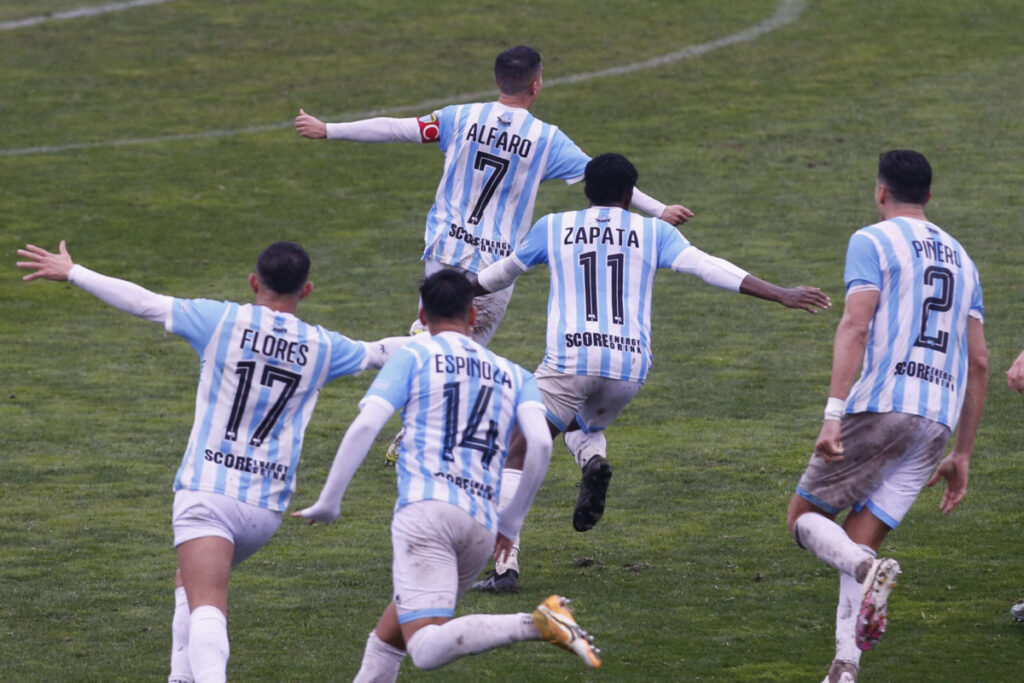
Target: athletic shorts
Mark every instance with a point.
(490, 308)
(595, 401)
(438, 551)
(200, 513)
(888, 459)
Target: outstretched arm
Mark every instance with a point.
(675, 214)
(954, 466)
(1015, 375)
(379, 129)
(351, 453)
(807, 298)
(121, 294)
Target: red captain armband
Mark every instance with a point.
(430, 129)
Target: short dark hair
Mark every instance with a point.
(446, 295)
(283, 267)
(608, 178)
(516, 68)
(907, 174)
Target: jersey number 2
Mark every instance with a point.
(944, 281)
(246, 369)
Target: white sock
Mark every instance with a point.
(208, 647)
(846, 615)
(380, 662)
(585, 447)
(509, 485)
(436, 645)
(181, 670)
(829, 542)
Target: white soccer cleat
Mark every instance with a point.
(1017, 611)
(873, 616)
(554, 620)
(391, 455)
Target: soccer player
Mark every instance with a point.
(1015, 380)
(913, 325)
(496, 154)
(603, 261)
(261, 374)
(459, 403)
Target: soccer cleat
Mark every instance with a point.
(499, 583)
(1017, 611)
(391, 455)
(593, 489)
(554, 620)
(845, 677)
(873, 615)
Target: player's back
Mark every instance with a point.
(495, 159)
(261, 374)
(916, 360)
(461, 407)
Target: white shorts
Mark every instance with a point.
(490, 309)
(438, 551)
(596, 401)
(888, 457)
(199, 513)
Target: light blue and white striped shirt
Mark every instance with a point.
(459, 403)
(603, 262)
(260, 376)
(495, 158)
(916, 356)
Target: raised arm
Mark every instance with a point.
(121, 294)
(379, 129)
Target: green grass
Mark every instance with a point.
(691, 575)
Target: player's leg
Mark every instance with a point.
(384, 652)
(181, 669)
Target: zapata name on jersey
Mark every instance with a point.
(470, 486)
(271, 346)
(603, 340)
(244, 463)
(595, 234)
(499, 140)
(447, 364)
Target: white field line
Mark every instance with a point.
(786, 12)
(76, 13)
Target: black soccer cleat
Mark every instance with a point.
(593, 489)
(499, 583)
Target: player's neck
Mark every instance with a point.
(440, 326)
(517, 101)
(891, 211)
(281, 304)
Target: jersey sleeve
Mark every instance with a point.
(565, 160)
(671, 244)
(534, 249)
(391, 386)
(446, 120)
(196, 320)
(348, 357)
(530, 392)
(977, 309)
(863, 270)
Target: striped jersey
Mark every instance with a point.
(459, 404)
(260, 375)
(916, 356)
(495, 158)
(603, 262)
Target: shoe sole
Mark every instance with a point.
(490, 585)
(578, 639)
(873, 618)
(593, 490)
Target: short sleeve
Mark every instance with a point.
(196, 320)
(534, 249)
(671, 243)
(393, 381)
(565, 160)
(348, 357)
(863, 269)
(530, 392)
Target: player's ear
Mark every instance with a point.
(471, 318)
(254, 283)
(423, 317)
(306, 290)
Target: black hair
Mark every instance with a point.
(283, 267)
(516, 68)
(608, 179)
(907, 174)
(446, 295)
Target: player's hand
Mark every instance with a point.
(324, 513)
(46, 264)
(807, 298)
(1015, 375)
(309, 126)
(676, 214)
(829, 445)
(502, 547)
(953, 469)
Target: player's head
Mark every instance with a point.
(907, 176)
(283, 267)
(609, 180)
(446, 296)
(516, 69)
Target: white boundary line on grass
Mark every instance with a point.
(786, 12)
(76, 13)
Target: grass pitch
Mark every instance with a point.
(164, 155)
